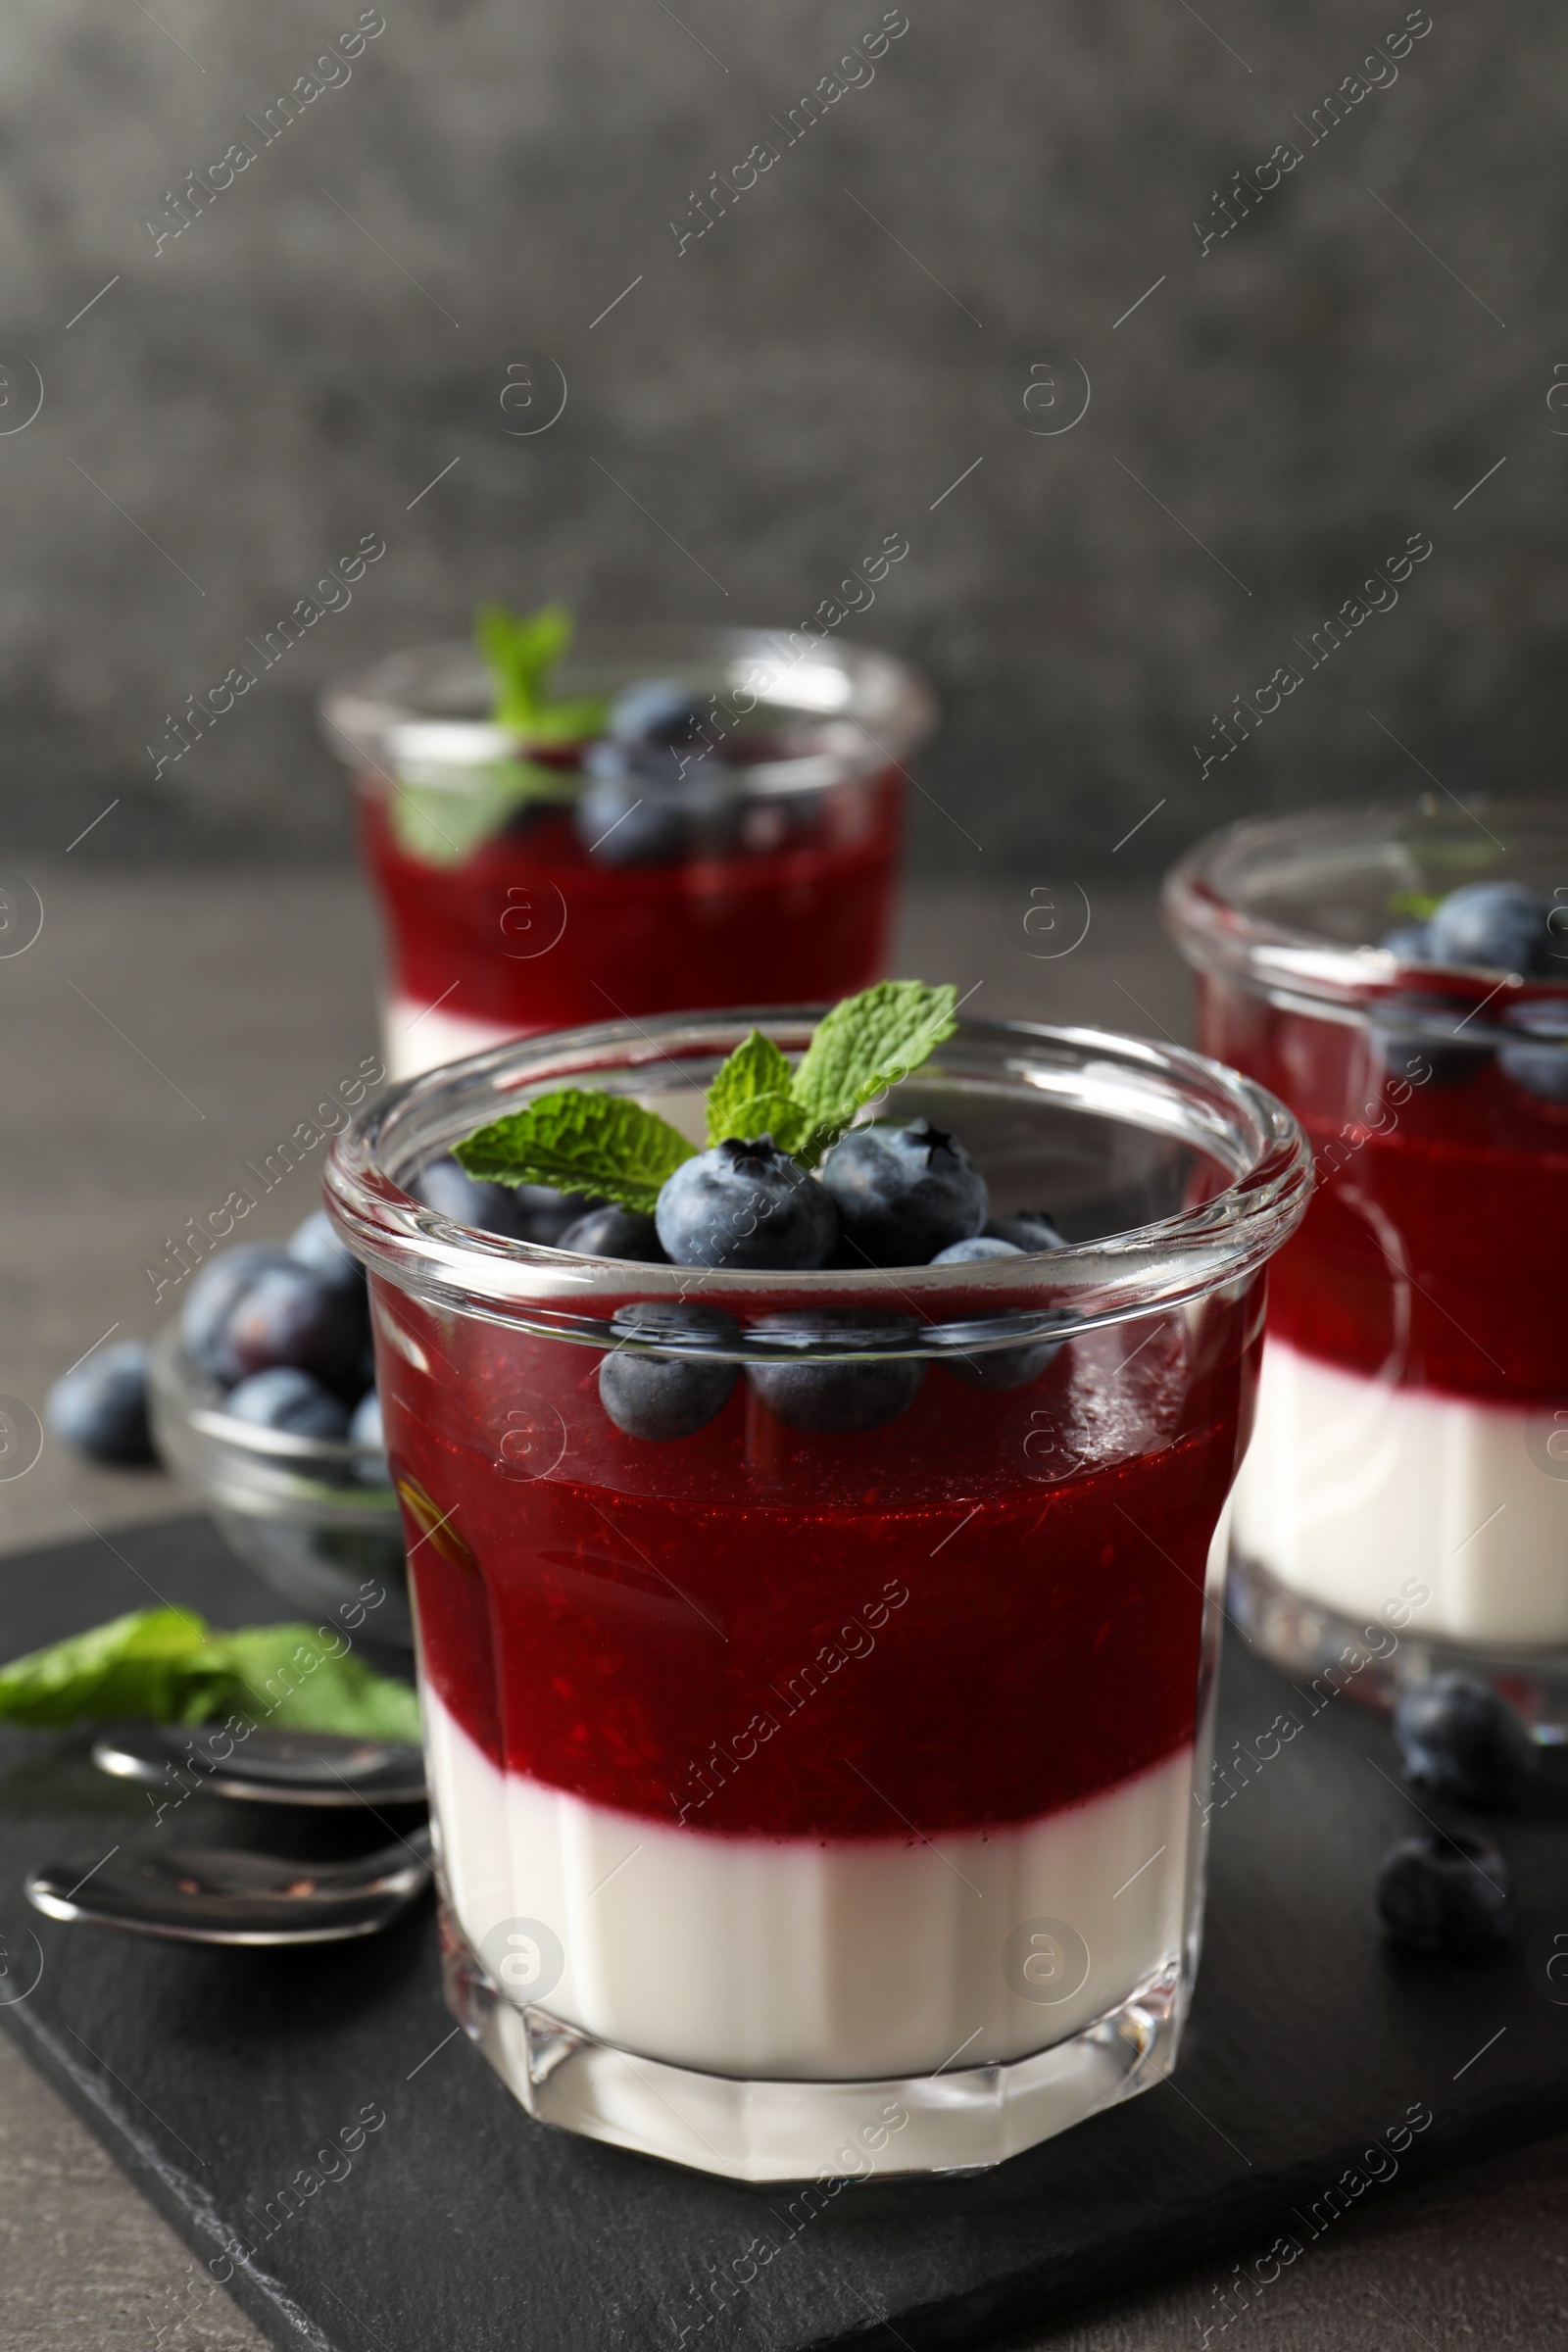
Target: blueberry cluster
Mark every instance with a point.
(536, 1212)
(1447, 1891)
(889, 1196)
(1499, 928)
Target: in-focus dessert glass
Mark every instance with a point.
(504, 920)
(823, 1802)
(1404, 1505)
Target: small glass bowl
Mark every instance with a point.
(316, 1518)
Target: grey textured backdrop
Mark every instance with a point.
(852, 334)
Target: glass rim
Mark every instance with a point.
(1305, 970)
(383, 712)
(1053, 1294)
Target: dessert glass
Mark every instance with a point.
(1404, 1505)
(499, 927)
(814, 1803)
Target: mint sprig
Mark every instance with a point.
(580, 1142)
(169, 1665)
(521, 651)
(606, 1144)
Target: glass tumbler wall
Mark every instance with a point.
(769, 869)
(1405, 1502)
(821, 1800)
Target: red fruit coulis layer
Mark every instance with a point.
(798, 922)
(984, 1612)
(1435, 1250)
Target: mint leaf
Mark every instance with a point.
(442, 825)
(862, 1046)
(750, 1096)
(582, 1143)
(169, 1665)
(521, 650)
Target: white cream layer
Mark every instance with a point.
(421, 1037)
(814, 1959)
(1351, 1487)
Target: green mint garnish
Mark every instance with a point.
(580, 1142)
(521, 650)
(443, 823)
(1418, 903)
(169, 1665)
(606, 1144)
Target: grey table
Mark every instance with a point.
(165, 1028)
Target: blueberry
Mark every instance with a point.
(523, 1212)
(657, 710)
(614, 1232)
(1408, 943)
(100, 1407)
(995, 1368)
(1501, 925)
(315, 1244)
(1444, 1894)
(624, 817)
(1460, 1737)
(745, 1204)
(214, 1291)
(1030, 1229)
(364, 1430)
(291, 1400)
(905, 1193)
(663, 1397)
(288, 1315)
(842, 1394)
(1541, 1069)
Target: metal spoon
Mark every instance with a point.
(210, 1895)
(272, 1768)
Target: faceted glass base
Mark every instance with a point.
(1365, 1659)
(956, 2122)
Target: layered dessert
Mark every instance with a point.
(815, 1612)
(1409, 1462)
(561, 834)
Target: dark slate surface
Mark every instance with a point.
(214, 2078)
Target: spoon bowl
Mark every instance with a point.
(211, 1894)
(267, 1767)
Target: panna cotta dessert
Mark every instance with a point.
(815, 1557)
(562, 829)
(1400, 978)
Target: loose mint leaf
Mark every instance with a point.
(169, 1665)
(580, 1142)
(863, 1045)
(750, 1096)
(442, 825)
(521, 650)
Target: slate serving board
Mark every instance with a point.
(214, 2078)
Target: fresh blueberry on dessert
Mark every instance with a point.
(289, 1401)
(213, 1293)
(652, 1393)
(1541, 1067)
(100, 1407)
(615, 1232)
(1461, 1738)
(997, 1369)
(630, 812)
(843, 1395)
(1028, 1229)
(523, 1212)
(1446, 1895)
(745, 1204)
(1498, 925)
(657, 710)
(904, 1192)
(976, 1250)
(287, 1315)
